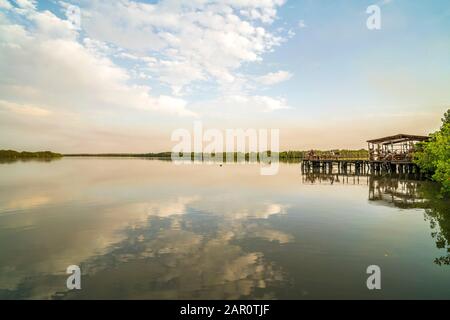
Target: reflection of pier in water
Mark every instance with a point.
(403, 191)
(332, 178)
(397, 190)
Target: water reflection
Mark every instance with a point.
(133, 238)
(331, 178)
(167, 258)
(173, 251)
(14, 160)
(404, 192)
(417, 194)
(151, 230)
(397, 191)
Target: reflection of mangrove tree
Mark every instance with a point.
(6, 161)
(417, 194)
(394, 191)
(403, 192)
(438, 214)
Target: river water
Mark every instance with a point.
(149, 229)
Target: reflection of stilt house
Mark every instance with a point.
(396, 192)
(398, 148)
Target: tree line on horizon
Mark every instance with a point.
(288, 155)
(12, 154)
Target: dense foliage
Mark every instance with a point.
(11, 154)
(433, 156)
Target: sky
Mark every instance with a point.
(121, 76)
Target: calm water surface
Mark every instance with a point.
(147, 229)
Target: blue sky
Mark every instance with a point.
(133, 71)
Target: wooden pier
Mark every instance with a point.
(358, 167)
(392, 154)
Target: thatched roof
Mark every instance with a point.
(398, 138)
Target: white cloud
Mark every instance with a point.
(302, 24)
(46, 61)
(242, 105)
(27, 110)
(26, 4)
(5, 4)
(25, 7)
(274, 77)
(268, 104)
(195, 41)
(70, 85)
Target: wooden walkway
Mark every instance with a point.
(358, 166)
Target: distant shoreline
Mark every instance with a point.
(288, 155)
(135, 155)
(12, 154)
(284, 155)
